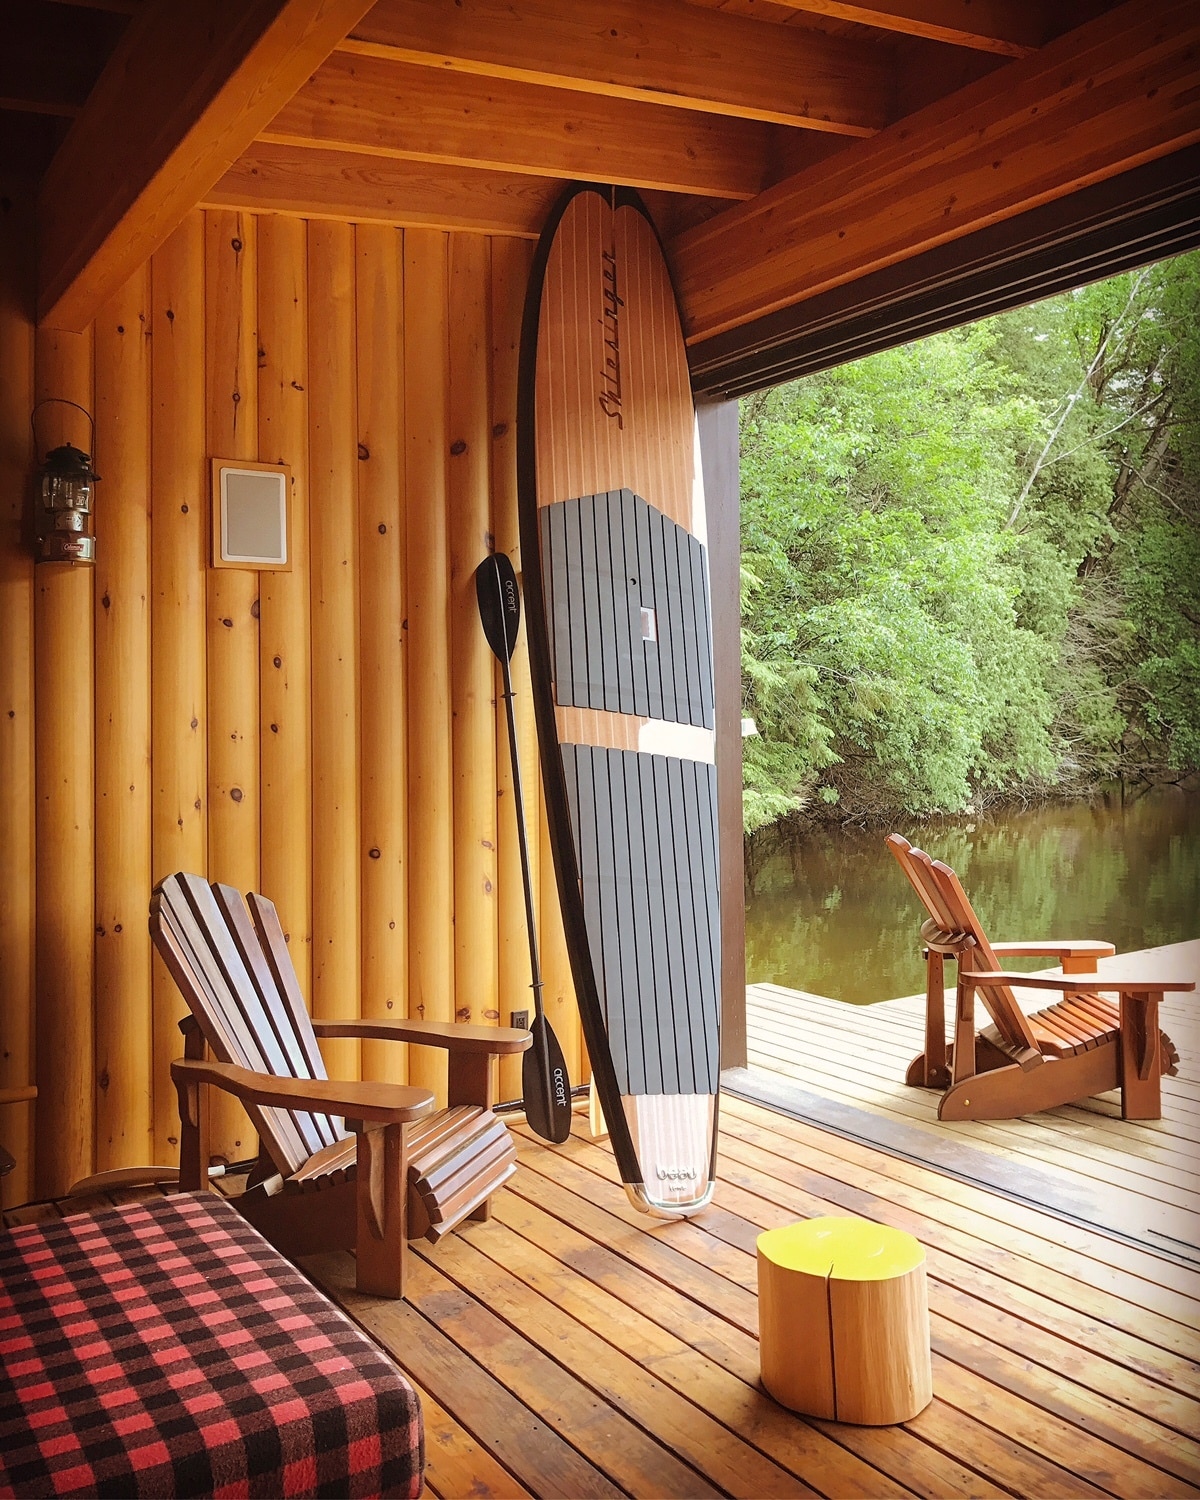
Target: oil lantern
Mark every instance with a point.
(63, 503)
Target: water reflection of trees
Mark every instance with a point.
(828, 911)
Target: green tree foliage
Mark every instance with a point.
(971, 566)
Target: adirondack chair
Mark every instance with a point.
(396, 1169)
(1083, 1045)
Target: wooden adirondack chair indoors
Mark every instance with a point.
(397, 1169)
(1081, 1046)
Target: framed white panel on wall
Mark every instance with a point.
(251, 514)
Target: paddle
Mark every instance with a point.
(544, 1081)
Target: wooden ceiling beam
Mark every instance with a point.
(662, 51)
(386, 108)
(1013, 28)
(114, 7)
(190, 85)
(1113, 94)
(24, 105)
(313, 184)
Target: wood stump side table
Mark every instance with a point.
(843, 1317)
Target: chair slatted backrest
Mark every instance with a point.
(238, 980)
(914, 864)
(942, 895)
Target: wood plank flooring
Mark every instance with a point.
(581, 1348)
(574, 1347)
(1145, 1173)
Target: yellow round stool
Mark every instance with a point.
(843, 1320)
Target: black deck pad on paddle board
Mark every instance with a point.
(613, 546)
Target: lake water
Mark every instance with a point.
(832, 913)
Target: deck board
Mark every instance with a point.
(573, 1346)
(1045, 1384)
(1144, 1174)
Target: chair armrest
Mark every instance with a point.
(1054, 948)
(1078, 983)
(391, 1103)
(456, 1038)
(18, 1095)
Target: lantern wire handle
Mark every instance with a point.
(62, 401)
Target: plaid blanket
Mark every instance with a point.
(167, 1349)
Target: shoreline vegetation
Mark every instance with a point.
(971, 566)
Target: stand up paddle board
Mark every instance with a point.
(617, 599)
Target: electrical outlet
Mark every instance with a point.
(520, 1020)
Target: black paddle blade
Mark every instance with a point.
(548, 1117)
(499, 597)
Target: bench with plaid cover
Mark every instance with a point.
(166, 1349)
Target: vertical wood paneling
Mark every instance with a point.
(333, 461)
(66, 1113)
(122, 625)
(430, 800)
(381, 531)
(16, 693)
(510, 272)
(178, 645)
(472, 690)
(285, 665)
(231, 388)
(331, 735)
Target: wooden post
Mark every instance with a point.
(122, 685)
(472, 664)
(719, 457)
(1141, 1064)
(284, 640)
(510, 275)
(333, 521)
(936, 1075)
(430, 911)
(381, 1189)
(16, 690)
(65, 811)
(231, 345)
(382, 719)
(178, 647)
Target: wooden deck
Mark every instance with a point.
(573, 1347)
(1141, 1176)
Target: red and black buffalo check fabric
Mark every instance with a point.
(167, 1349)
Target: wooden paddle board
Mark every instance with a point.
(613, 548)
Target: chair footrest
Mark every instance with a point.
(457, 1160)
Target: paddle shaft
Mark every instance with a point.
(522, 841)
(541, 1035)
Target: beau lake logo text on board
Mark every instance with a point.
(610, 375)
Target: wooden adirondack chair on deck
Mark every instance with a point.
(401, 1169)
(1081, 1046)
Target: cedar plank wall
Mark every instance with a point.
(327, 734)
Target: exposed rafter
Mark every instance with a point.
(349, 185)
(386, 108)
(1120, 91)
(663, 51)
(190, 85)
(114, 7)
(1013, 28)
